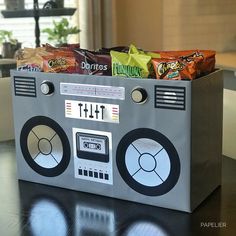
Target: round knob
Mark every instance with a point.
(139, 95)
(47, 88)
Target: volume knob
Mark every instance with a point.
(139, 95)
(47, 88)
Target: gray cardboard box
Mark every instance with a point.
(154, 142)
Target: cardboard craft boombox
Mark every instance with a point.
(155, 142)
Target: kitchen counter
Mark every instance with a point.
(226, 60)
(34, 209)
(6, 65)
(6, 113)
(7, 61)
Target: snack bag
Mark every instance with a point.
(71, 46)
(92, 63)
(134, 50)
(208, 64)
(31, 59)
(117, 48)
(64, 47)
(130, 65)
(205, 59)
(60, 61)
(174, 69)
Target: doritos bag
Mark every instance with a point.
(92, 63)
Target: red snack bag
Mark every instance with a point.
(174, 69)
(71, 46)
(92, 63)
(63, 47)
(208, 64)
(178, 54)
(60, 61)
(117, 48)
(205, 59)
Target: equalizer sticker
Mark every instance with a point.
(92, 111)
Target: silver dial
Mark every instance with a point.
(139, 95)
(47, 88)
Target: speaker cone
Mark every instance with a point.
(148, 162)
(45, 146)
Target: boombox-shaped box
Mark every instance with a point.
(150, 141)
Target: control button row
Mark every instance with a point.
(93, 174)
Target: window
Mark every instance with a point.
(24, 28)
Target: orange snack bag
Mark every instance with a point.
(205, 59)
(31, 59)
(208, 64)
(60, 61)
(174, 69)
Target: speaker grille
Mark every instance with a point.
(170, 97)
(25, 86)
(148, 162)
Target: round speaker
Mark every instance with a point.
(45, 146)
(148, 162)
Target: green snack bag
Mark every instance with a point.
(134, 50)
(153, 55)
(130, 65)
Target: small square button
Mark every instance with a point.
(90, 173)
(80, 171)
(100, 175)
(106, 176)
(95, 174)
(85, 172)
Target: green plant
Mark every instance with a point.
(7, 37)
(60, 31)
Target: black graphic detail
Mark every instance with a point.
(24, 86)
(170, 97)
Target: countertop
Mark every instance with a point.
(34, 209)
(7, 61)
(6, 64)
(226, 60)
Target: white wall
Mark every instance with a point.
(175, 24)
(138, 22)
(199, 24)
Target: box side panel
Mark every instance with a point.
(206, 136)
